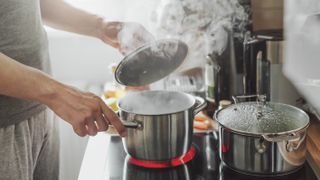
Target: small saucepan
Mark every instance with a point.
(159, 123)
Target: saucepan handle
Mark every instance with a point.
(199, 105)
(128, 124)
(293, 140)
(280, 137)
(260, 97)
(132, 124)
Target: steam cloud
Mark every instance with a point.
(204, 25)
(131, 37)
(155, 102)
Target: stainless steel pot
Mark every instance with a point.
(262, 139)
(160, 123)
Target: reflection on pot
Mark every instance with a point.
(208, 156)
(133, 172)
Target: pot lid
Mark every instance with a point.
(151, 62)
(262, 118)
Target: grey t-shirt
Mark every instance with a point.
(23, 38)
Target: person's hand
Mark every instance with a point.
(86, 112)
(125, 36)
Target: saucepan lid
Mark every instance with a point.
(151, 62)
(262, 118)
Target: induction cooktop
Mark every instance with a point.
(205, 165)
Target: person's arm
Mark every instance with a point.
(86, 112)
(61, 15)
(124, 36)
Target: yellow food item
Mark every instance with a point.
(118, 93)
(112, 103)
(110, 94)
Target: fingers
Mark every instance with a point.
(80, 130)
(113, 119)
(111, 42)
(101, 123)
(132, 36)
(109, 32)
(90, 116)
(91, 127)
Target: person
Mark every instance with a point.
(28, 135)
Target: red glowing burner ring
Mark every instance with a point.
(167, 164)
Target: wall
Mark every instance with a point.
(79, 58)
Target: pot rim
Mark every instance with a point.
(160, 114)
(303, 128)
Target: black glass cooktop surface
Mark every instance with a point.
(205, 166)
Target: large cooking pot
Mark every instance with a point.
(160, 123)
(262, 138)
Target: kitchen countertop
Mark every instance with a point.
(93, 163)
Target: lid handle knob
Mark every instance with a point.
(260, 98)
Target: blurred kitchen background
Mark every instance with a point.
(234, 33)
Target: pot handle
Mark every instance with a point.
(278, 137)
(128, 124)
(293, 140)
(260, 98)
(295, 144)
(132, 124)
(200, 104)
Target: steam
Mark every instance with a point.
(155, 102)
(133, 36)
(205, 26)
